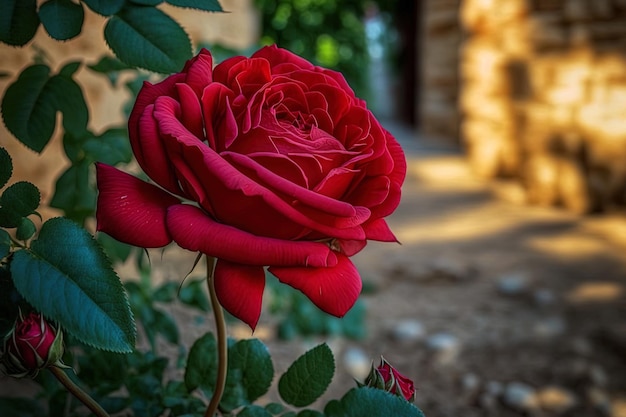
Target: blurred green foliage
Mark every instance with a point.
(329, 33)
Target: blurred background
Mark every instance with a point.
(507, 296)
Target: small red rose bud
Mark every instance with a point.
(387, 378)
(33, 344)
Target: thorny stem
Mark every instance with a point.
(222, 346)
(77, 392)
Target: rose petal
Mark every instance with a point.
(130, 210)
(351, 247)
(379, 230)
(192, 229)
(279, 56)
(199, 71)
(146, 97)
(334, 290)
(150, 148)
(239, 289)
(191, 111)
(234, 192)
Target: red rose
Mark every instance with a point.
(283, 166)
(32, 345)
(387, 378)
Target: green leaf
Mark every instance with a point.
(253, 411)
(308, 377)
(30, 105)
(206, 5)
(371, 402)
(20, 407)
(26, 229)
(112, 147)
(193, 294)
(67, 277)
(116, 251)
(5, 243)
(6, 167)
(9, 302)
(274, 408)
(105, 7)
(250, 370)
(147, 38)
(310, 413)
(147, 2)
(18, 21)
(62, 19)
(166, 293)
(109, 66)
(17, 201)
(74, 194)
(166, 326)
(201, 369)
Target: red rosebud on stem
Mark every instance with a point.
(387, 378)
(33, 344)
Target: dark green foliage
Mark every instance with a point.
(308, 377)
(62, 19)
(18, 21)
(329, 33)
(66, 276)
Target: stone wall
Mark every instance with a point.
(439, 73)
(543, 97)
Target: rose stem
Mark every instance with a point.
(77, 392)
(222, 346)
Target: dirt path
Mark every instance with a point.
(498, 308)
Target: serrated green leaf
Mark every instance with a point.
(147, 2)
(145, 37)
(71, 103)
(62, 19)
(274, 408)
(250, 370)
(70, 69)
(308, 377)
(112, 147)
(5, 243)
(205, 5)
(166, 293)
(253, 411)
(165, 325)
(10, 301)
(366, 401)
(116, 251)
(201, 370)
(105, 7)
(30, 105)
(6, 167)
(194, 295)
(18, 21)
(67, 277)
(310, 413)
(73, 146)
(17, 201)
(111, 67)
(74, 193)
(26, 229)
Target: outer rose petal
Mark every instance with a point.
(130, 210)
(239, 289)
(194, 230)
(334, 290)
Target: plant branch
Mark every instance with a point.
(77, 392)
(222, 342)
